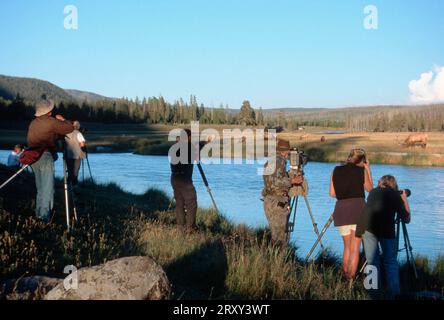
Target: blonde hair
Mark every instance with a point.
(388, 181)
(356, 156)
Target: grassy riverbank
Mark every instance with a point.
(220, 260)
(383, 148)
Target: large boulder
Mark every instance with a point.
(130, 278)
(27, 288)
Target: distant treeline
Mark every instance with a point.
(155, 110)
(366, 119)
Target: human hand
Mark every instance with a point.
(404, 196)
(297, 180)
(60, 118)
(367, 164)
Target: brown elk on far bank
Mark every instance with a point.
(416, 139)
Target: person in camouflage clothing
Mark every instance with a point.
(277, 184)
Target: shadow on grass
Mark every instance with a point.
(200, 274)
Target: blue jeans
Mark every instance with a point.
(390, 259)
(44, 182)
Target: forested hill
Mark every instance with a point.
(31, 90)
(86, 96)
(18, 97)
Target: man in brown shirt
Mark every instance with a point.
(43, 132)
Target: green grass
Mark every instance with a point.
(221, 260)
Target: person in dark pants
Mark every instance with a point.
(182, 182)
(377, 229)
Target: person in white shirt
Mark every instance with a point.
(14, 156)
(75, 144)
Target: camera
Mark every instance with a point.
(407, 192)
(298, 159)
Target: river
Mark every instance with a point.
(237, 190)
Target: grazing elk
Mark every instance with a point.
(416, 139)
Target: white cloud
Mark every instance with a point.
(429, 87)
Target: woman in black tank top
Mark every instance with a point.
(348, 185)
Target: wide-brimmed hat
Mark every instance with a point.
(43, 107)
(283, 145)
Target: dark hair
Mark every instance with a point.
(18, 146)
(356, 156)
(388, 181)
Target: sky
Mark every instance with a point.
(274, 53)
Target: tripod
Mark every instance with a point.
(68, 191)
(296, 192)
(318, 240)
(204, 178)
(14, 176)
(400, 224)
(89, 167)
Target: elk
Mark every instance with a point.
(416, 139)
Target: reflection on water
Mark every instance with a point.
(237, 189)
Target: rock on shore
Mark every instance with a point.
(129, 278)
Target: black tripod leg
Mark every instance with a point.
(408, 248)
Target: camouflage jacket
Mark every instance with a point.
(278, 182)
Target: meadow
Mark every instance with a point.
(221, 260)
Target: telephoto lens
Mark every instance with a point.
(407, 192)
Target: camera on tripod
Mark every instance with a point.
(298, 159)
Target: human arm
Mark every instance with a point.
(405, 208)
(332, 188)
(61, 126)
(81, 140)
(368, 180)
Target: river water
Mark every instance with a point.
(237, 190)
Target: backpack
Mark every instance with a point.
(31, 155)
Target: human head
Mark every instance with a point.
(18, 148)
(388, 181)
(357, 156)
(76, 125)
(44, 107)
(283, 147)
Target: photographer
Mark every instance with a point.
(14, 157)
(385, 204)
(75, 144)
(277, 184)
(43, 132)
(348, 185)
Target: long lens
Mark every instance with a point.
(407, 192)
